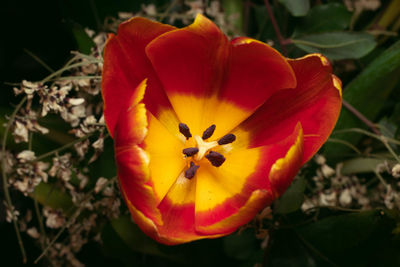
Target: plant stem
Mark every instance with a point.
(361, 117)
(317, 45)
(45, 155)
(362, 131)
(343, 142)
(41, 62)
(48, 78)
(276, 27)
(389, 148)
(5, 180)
(169, 8)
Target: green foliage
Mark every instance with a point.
(297, 8)
(48, 195)
(84, 42)
(324, 18)
(373, 83)
(292, 199)
(337, 45)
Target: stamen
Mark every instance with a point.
(184, 129)
(190, 151)
(227, 139)
(215, 158)
(208, 132)
(189, 173)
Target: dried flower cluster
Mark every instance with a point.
(332, 188)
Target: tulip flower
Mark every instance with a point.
(208, 131)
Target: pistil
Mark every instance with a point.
(203, 146)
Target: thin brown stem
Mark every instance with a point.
(45, 155)
(246, 16)
(5, 180)
(281, 40)
(361, 117)
(74, 216)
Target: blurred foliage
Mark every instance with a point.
(363, 44)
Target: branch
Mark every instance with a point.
(361, 117)
(276, 28)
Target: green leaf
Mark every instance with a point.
(324, 18)
(297, 8)
(84, 42)
(234, 11)
(104, 166)
(286, 250)
(49, 195)
(292, 199)
(360, 165)
(337, 45)
(376, 82)
(131, 234)
(241, 245)
(349, 239)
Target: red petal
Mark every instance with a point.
(315, 103)
(256, 71)
(126, 65)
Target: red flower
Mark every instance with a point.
(208, 131)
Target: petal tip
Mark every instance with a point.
(337, 83)
(284, 169)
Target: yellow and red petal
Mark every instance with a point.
(220, 77)
(190, 63)
(126, 65)
(178, 214)
(258, 200)
(166, 158)
(315, 103)
(133, 174)
(222, 192)
(131, 127)
(285, 168)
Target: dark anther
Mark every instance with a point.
(229, 138)
(189, 173)
(215, 158)
(208, 132)
(190, 151)
(184, 129)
